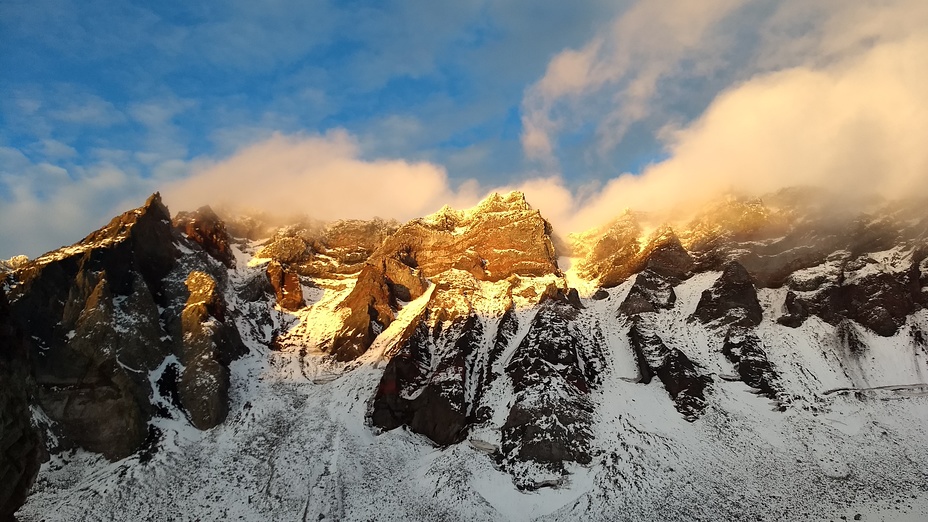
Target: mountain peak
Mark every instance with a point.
(451, 220)
(496, 202)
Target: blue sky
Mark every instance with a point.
(105, 101)
(180, 80)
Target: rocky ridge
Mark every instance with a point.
(105, 315)
(460, 327)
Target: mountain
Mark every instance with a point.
(764, 358)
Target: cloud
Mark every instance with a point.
(55, 149)
(646, 43)
(323, 176)
(87, 110)
(44, 205)
(737, 95)
(842, 107)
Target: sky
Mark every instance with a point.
(358, 109)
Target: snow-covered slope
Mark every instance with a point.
(512, 398)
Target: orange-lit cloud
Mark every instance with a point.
(842, 106)
(322, 176)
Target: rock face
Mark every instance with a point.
(286, 284)
(369, 310)
(478, 336)
(650, 293)
(208, 347)
(430, 400)
(285, 249)
(106, 312)
(21, 448)
(452, 354)
(553, 371)
(881, 302)
(680, 376)
(344, 246)
(501, 238)
(746, 351)
(732, 300)
(620, 252)
(13, 263)
(206, 229)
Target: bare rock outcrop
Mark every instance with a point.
(650, 293)
(21, 448)
(106, 312)
(501, 238)
(205, 228)
(423, 385)
(679, 375)
(746, 351)
(732, 300)
(553, 371)
(208, 346)
(621, 251)
(286, 284)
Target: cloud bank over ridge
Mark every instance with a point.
(739, 95)
(840, 106)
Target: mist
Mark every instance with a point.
(321, 176)
(840, 106)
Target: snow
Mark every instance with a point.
(297, 444)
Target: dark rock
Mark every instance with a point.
(880, 302)
(92, 309)
(746, 352)
(439, 410)
(732, 300)
(21, 447)
(257, 287)
(675, 370)
(573, 297)
(484, 375)
(796, 311)
(849, 339)
(917, 336)
(600, 294)
(650, 293)
(106, 312)
(666, 256)
(206, 229)
(552, 371)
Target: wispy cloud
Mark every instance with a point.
(44, 205)
(619, 69)
(843, 108)
(322, 176)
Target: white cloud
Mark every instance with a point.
(54, 149)
(645, 44)
(843, 107)
(88, 110)
(322, 176)
(44, 206)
